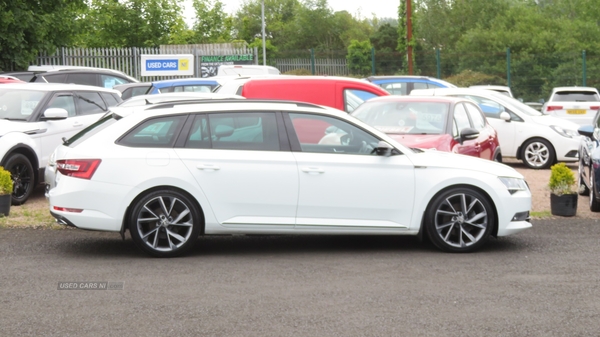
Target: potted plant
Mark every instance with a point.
(6, 189)
(563, 190)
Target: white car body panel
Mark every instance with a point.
(276, 192)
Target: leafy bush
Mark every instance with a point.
(562, 180)
(468, 78)
(298, 71)
(6, 183)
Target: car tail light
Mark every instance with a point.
(66, 209)
(78, 168)
(553, 107)
(595, 107)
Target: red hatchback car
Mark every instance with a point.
(448, 124)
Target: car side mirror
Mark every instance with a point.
(383, 149)
(505, 116)
(587, 131)
(55, 114)
(468, 134)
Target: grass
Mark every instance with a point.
(541, 215)
(29, 216)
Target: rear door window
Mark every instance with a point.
(243, 131)
(85, 79)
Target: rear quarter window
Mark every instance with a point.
(156, 132)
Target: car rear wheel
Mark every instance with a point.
(459, 220)
(164, 223)
(538, 154)
(594, 204)
(21, 172)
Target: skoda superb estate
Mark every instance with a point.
(174, 171)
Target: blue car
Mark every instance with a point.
(184, 85)
(403, 85)
(589, 163)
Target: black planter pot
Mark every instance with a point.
(563, 205)
(5, 204)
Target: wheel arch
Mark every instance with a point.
(494, 231)
(520, 148)
(140, 195)
(30, 154)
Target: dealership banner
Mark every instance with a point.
(167, 65)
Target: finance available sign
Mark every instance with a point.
(158, 65)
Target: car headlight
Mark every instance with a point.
(514, 184)
(565, 132)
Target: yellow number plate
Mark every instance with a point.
(576, 112)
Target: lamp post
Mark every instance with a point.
(263, 33)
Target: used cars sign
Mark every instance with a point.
(157, 65)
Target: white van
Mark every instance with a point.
(246, 70)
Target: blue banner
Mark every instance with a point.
(162, 65)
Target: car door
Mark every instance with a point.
(343, 185)
(507, 131)
(248, 174)
(461, 121)
(487, 135)
(56, 130)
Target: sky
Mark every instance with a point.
(381, 8)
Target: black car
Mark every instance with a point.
(106, 78)
(589, 163)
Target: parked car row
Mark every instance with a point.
(190, 155)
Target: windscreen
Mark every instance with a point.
(405, 117)
(18, 104)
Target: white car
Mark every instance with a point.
(177, 171)
(35, 117)
(499, 88)
(524, 133)
(575, 104)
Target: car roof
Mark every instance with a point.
(577, 88)
(410, 98)
(76, 69)
(201, 80)
(171, 97)
(56, 87)
(124, 86)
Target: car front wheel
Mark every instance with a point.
(459, 220)
(594, 204)
(21, 172)
(164, 223)
(538, 154)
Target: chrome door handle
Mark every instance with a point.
(312, 170)
(208, 167)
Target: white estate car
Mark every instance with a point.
(176, 171)
(575, 104)
(35, 117)
(524, 133)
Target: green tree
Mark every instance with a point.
(385, 40)
(28, 27)
(359, 57)
(130, 23)
(212, 24)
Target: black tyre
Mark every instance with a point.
(538, 153)
(165, 223)
(594, 204)
(581, 186)
(22, 174)
(459, 220)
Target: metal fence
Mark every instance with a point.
(128, 60)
